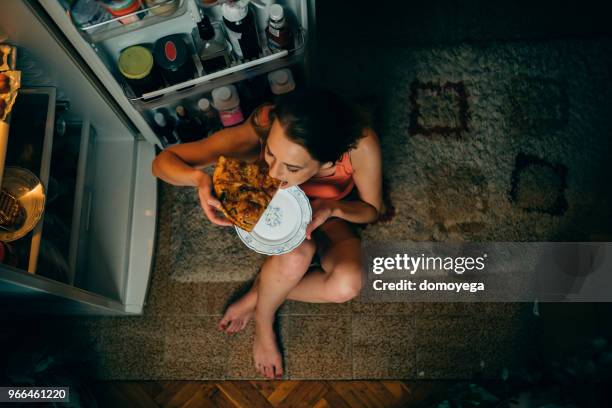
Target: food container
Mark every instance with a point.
(136, 66)
(119, 8)
(173, 59)
(162, 7)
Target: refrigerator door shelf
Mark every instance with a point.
(172, 94)
(109, 29)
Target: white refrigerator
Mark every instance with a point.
(110, 242)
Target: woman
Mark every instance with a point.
(317, 141)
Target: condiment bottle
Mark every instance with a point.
(209, 116)
(165, 129)
(241, 29)
(278, 31)
(213, 49)
(281, 81)
(227, 102)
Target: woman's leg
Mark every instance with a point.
(279, 274)
(337, 244)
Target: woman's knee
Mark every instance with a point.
(295, 263)
(345, 283)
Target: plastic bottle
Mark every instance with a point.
(165, 129)
(241, 29)
(227, 102)
(278, 31)
(209, 116)
(281, 81)
(213, 49)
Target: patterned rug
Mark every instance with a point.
(503, 142)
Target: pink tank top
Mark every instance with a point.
(333, 187)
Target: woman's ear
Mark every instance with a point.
(327, 165)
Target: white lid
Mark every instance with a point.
(225, 97)
(204, 104)
(281, 81)
(276, 12)
(235, 10)
(160, 119)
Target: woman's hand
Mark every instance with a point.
(209, 203)
(321, 212)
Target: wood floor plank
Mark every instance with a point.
(397, 388)
(353, 393)
(283, 389)
(243, 394)
(322, 404)
(305, 394)
(252, 394)
(219, 399)
(266, 387)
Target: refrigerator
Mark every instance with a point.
(91, 137)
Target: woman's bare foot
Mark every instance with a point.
(266, 356)
(239, 313)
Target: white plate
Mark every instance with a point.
(282, 227)
(30, 192)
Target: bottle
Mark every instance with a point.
(241, 29)
(209, 117)
(214, 51)
(165, 129)
(227, 102)
(187, 128)
(281, 81)
(278, 31)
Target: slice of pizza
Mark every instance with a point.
(244, 190)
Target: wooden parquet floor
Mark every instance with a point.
(256, 394)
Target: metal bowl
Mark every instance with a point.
(30, 193)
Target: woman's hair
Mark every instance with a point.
(323, 122)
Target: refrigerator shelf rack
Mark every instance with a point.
(113, 28)
(249, 69)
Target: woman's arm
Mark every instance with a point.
(366, 160)
(180, 164)
(367, 173)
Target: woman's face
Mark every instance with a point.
(288, 161)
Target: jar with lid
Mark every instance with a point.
(227, 102)
(136, 66)
(278, 32)
(173, 59)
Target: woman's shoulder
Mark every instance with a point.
(261, 119)
(368, 146)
